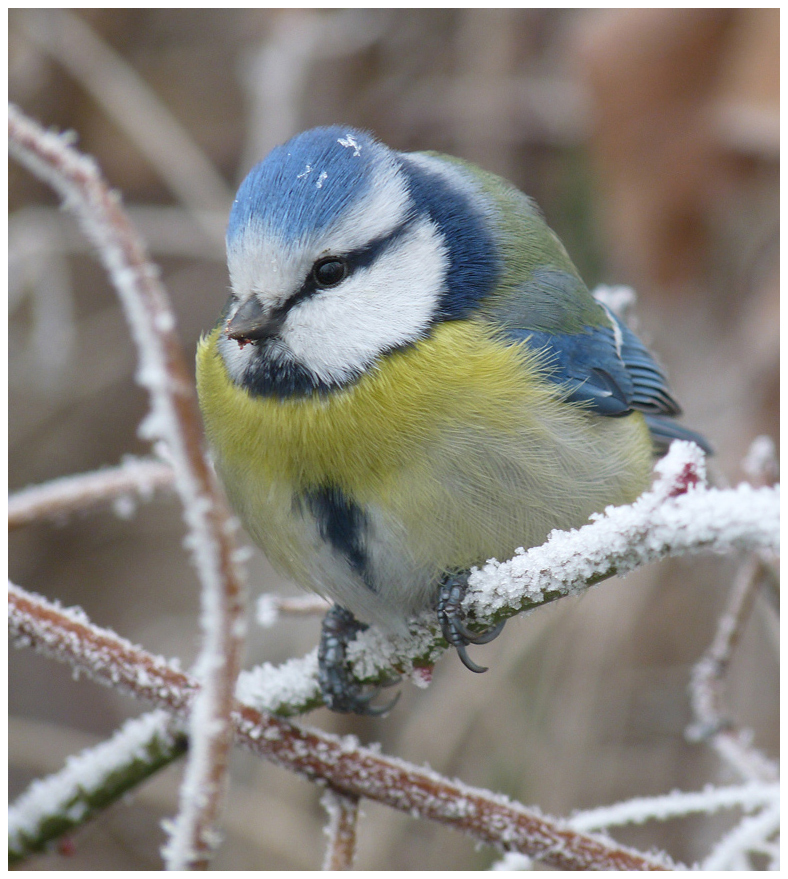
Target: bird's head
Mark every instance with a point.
(341, 250)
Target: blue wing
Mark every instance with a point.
(583, 345)
(609, 369)
(605, 367)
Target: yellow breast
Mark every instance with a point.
(355, 438)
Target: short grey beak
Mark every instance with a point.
(251, 324)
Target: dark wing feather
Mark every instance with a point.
(605, 367)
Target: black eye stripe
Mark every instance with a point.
(365, 256)
(362, 257)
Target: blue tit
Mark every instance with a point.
(409, 378)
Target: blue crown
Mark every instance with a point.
(305, 184)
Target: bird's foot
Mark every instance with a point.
(340, 691)
(450, 616)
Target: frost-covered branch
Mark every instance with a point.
(750, 834)
(70, 494)
(707, 682)
(662, 522)
(341, 829)
(678, 516)
(67, 635)
(749, 517)
(747, 797)
(337, 761)
(174, 422)
(91, 781)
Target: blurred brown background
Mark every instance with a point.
(650, 140)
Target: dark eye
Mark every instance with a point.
(329, 272)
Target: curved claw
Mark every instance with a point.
(366, 698)
(359, 703)
(467, 661)
(452, 592)
(390, 682)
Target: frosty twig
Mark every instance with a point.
(174, 420)
(708, 682)
(341, 830)
(71, 494)
(339, 761)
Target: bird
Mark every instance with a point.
(409, 378)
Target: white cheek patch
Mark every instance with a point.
(338, 333)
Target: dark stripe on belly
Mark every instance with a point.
(342, 524)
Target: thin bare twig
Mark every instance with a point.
(341, 829)
(269, 607)
(71, 494)
(339, 762)
(173, 419)
(707, 683)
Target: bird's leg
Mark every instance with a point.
(340, 691)
(450, 614)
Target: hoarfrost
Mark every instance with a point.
(748, 797)
(65, 792)
(268, 687)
